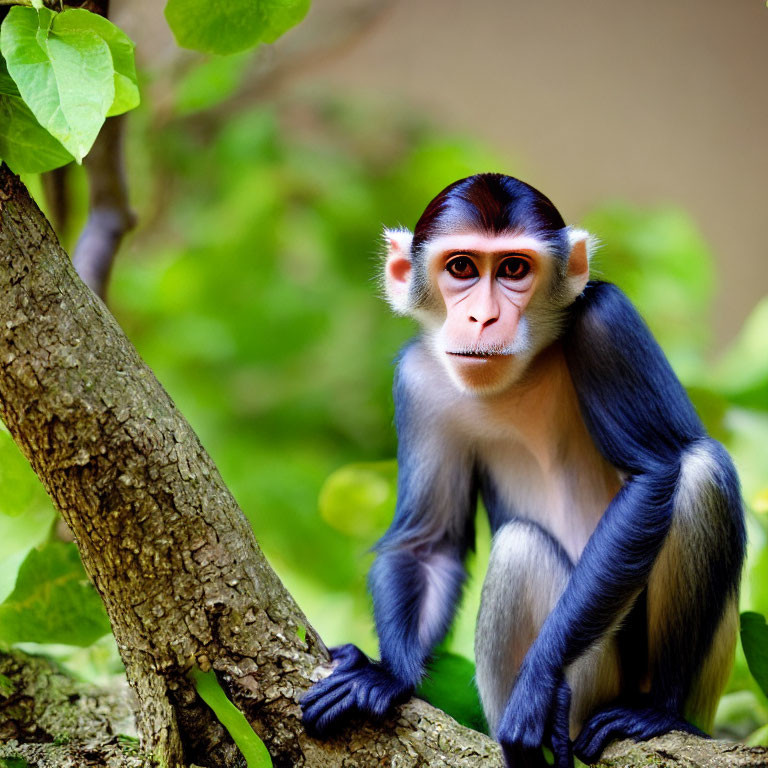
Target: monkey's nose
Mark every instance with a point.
(485, 323)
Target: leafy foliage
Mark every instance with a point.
(67, 66)
(359, 499)
(26, 513)
(53, 601)
(754, 639)
(450, 686)
(229, 26)
(63, 73)
(24, 143)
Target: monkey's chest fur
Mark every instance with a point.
(534, 455)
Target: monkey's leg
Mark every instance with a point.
(527, 573)
(692, 609)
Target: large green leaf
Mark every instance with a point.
(209, 83)
(24, 144)
(280, 16)
(53, 601)
(17, 536)
(359, 499)
(742, 374)
(64, 73)
(120, 47)
(7, 86)
(229, 26)
(450, 686)
(26, 513)
(754, 641)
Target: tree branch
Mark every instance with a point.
(110, 216)
(52, 721)
(161, 537)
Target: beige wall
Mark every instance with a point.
(650, 101)
(653, 101)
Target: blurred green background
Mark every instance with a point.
(251, 289)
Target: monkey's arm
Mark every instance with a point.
(642, 421)
(417, 576)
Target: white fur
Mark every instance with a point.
(576, 282)
(438, 457)
(441, 572)
(541, 458)
(593, 243)
(697, 527)
(525, 579)
(474, 241)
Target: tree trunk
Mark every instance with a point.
(161, 537)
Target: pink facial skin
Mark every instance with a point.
(486, 283)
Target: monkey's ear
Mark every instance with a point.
(397, 268)
(582, 246)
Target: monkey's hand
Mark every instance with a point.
(356, 686)
(537, 713)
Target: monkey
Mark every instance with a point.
(610, 604)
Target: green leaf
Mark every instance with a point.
(7, 86)
(742, 374)
(759, 738)
(21, 494)
(53, 601)
(359, 499)
(120, 47)
(64, 73)
(450, 686)
(754, 641)
(229, 26)
(24, 144)
(18, 535)
(248, 742)
(280, 16)
(209, 83)
(26, 513)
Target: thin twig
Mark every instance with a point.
(110, 216)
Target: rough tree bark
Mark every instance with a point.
(164, 542)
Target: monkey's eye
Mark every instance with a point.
(461, 268)
(514, 268)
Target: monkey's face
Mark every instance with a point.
(487, 286)
(488, 303)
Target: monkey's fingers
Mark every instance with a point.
(380, 698)
(623, 722)
(603, 727)
(334, 717)
(562, 747)
(321, 716)
(325, 687)
(349, 656)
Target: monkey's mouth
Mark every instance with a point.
(477, 354)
